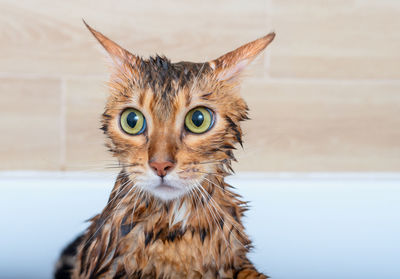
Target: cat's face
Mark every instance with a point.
(172, 125)
(169, 137)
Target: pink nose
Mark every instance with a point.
(161, 168)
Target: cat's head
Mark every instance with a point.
(172, 126)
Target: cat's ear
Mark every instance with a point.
(118, 54)
(233, 63)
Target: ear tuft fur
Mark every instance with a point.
(232, 63)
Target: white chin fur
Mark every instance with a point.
(167, 193)
(169, 188)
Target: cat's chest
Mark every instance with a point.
(187, 253)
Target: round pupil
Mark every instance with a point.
(132, 119)
(197, 118)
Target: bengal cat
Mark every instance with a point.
(172, 127)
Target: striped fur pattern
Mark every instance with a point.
(197, 232)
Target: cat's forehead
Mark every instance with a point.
(166, 82)
(162, 76)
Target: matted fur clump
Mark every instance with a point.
(172, 127)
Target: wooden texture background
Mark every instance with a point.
(324, 97)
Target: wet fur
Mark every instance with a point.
(200, 234)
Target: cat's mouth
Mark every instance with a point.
(167, 191)
(166, 187)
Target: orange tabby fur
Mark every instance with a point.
(200, 234)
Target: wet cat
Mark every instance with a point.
(172, 127)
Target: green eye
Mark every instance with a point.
(199, 120)
(132, 121)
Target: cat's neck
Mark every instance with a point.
(208, 206)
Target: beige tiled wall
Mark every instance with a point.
(324, 97)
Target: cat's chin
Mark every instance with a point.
(167, 192)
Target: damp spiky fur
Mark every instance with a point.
(198, 233)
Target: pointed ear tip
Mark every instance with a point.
(84, 22)
(87, 25)
(270, 36)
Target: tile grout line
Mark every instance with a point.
(63, 124)
(324, 80)
(266, 77)
(50, 76)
